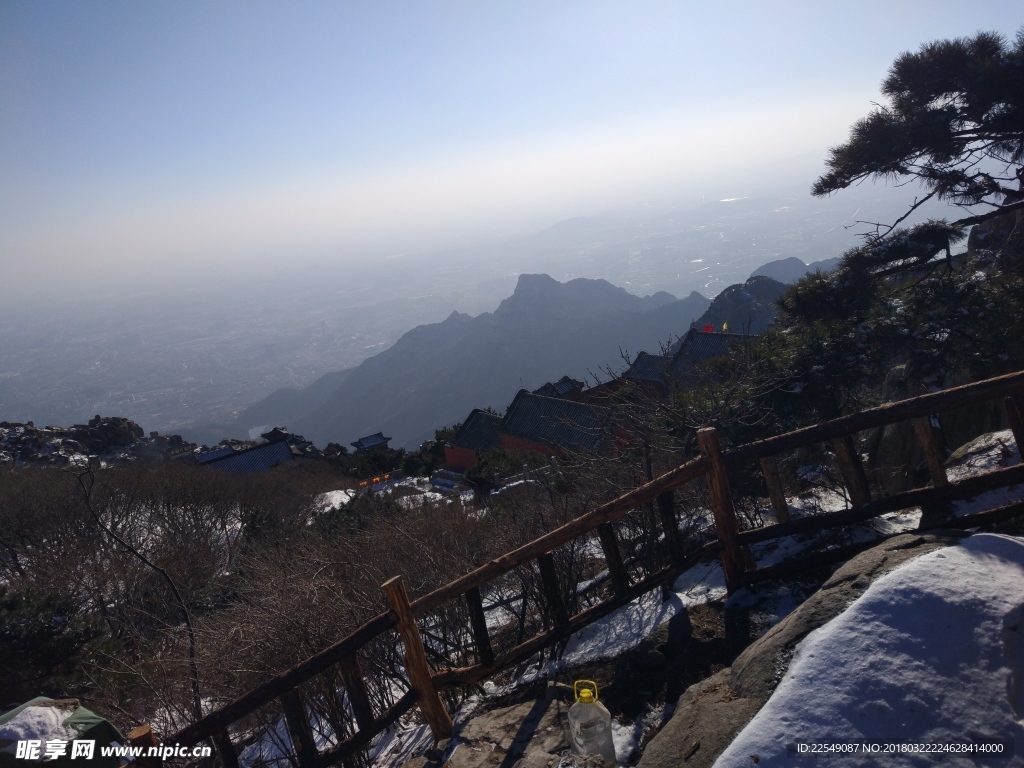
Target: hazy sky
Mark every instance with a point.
(147, 138)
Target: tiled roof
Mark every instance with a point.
(551, 420)
(216, 453)
(698, 346)
(371, 441)
(276, 434)
(648, 367)
(479, 432)
(258, 459)
(564, 386)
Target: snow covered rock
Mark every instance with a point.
(711, 713)
(919, 659)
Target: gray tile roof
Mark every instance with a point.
(648, 367)
(479, 432)
(564, 386)
(258, 459)
(371, 441)
(551, 420)
(697, 347)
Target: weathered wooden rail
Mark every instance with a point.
(714, 465)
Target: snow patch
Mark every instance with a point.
(325, 502)
(40, 723)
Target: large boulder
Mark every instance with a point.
(711, 713)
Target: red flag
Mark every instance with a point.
(709, 328)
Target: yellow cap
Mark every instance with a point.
(589, 693)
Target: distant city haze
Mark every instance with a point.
(203, 203)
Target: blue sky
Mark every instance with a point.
(134, 136)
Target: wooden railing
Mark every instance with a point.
(713, 464)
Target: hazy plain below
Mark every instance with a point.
(187, 359)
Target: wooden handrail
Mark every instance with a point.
(1008, 386)
(575, 528)
(901, 410)
(263, 694)
(273, 688)
(452, 678)
(964, 489)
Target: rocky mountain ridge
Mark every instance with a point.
(435, 374)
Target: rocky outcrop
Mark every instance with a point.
(104, 440)
(711, 713)
(533, 732)
(111, 431)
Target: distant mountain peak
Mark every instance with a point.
(435, 374)
(580, 297)
(535, 285)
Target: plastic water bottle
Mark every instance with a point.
(590, 724)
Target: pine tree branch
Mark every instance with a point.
(990, 214)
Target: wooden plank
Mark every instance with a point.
(670, 525)
(549, 580)
(363, 737)
(770, 470)
(854, 477)
(273, 688)
(355, 686)
(299, 729)
(416, 666)
(726, 524)
(923, 405)
(479, 623)
(967, 488)
(932, 451)
(616, 569)
(226, 750)
(556, 538)
(1015, 415)
(453, 678)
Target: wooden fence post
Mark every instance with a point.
(669, 524)
(358, 697)
(932, 451)
(726, 524)
(416, 667)
(299, 729)
(936, 512)
(853, 471)
(478, 620)
(228, 755)
(1015, 415)
(612, 556)
(143, 736)
(549, 579)
(770, 470)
